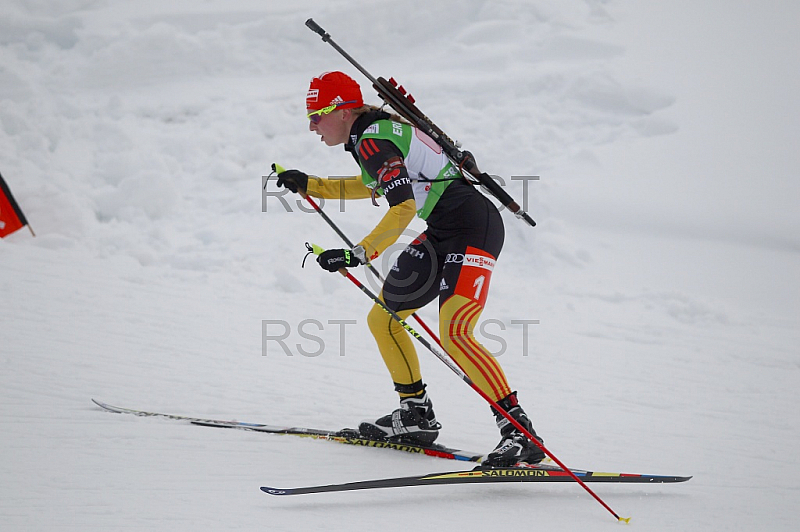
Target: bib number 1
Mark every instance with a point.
(476, 272)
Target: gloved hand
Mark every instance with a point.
(294, 180)
(333, 259)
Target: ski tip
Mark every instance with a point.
(626, 520)
(101, 404)
(274, 491)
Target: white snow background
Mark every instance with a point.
(663, 272)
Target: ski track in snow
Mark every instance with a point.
(663, 275)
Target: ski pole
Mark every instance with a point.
(450, 363)
(278, 169)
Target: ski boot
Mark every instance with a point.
(514, 446)
(413, 422)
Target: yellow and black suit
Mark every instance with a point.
(452, 259)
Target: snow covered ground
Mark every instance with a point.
(663, 271)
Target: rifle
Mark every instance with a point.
(397, 98)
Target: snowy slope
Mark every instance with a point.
(663, 271)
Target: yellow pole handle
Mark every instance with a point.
(315, 249)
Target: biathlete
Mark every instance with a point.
(452, 259)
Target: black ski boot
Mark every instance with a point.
(514, 446)
(413, 422)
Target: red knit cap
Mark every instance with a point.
(330, 88)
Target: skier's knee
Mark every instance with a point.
(378, 320)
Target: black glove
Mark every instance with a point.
(333, 259)
(294, 180)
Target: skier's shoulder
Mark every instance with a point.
(386, 128)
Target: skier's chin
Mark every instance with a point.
(327, 141)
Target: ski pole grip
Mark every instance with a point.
(315, 249)
(316, 28)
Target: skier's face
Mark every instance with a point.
(333, 128)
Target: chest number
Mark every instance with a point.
(478, 285)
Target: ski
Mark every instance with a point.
(344, 436)
(520, 473)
